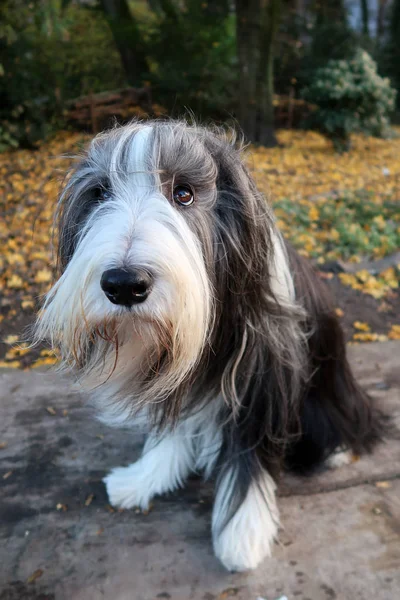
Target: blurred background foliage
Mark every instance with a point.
(69, 68)
(264, 63)
(350, 97)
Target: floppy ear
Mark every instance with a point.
(77, 200)
(258, 345)
(244, 222)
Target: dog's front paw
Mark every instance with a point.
(243, 539)
(246, 540)
(242, 552)
(125, 488)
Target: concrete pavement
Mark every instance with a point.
(59, 539)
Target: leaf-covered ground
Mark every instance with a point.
(331, 207)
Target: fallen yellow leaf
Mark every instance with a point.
(11, 339)
(15, 282)
(394, 333)
(43, 276)
(361, 326)
(14, 364)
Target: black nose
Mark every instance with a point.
(126, 287)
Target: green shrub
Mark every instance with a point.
(27, 96)
(351, 97)
(47, 57)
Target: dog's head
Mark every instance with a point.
(167, 256)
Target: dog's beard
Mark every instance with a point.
(145, 353)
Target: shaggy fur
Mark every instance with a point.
(235, 363)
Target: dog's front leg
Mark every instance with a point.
(164, 465)
(245, 517)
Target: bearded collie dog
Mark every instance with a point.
(181, 308)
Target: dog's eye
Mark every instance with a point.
(106, 195)
(102, 193)
(183, 195)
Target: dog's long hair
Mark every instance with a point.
(236, 318)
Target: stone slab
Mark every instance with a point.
(341, 529)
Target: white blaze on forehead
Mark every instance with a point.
(133, 156)
(139, 157)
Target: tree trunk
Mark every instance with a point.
(380, 20)
(269, 27)
(127, 39)
(247, 36)
(365, 17)
(394, 28)
(393, 47)
(256, 26)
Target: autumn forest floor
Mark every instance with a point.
(343, 212)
